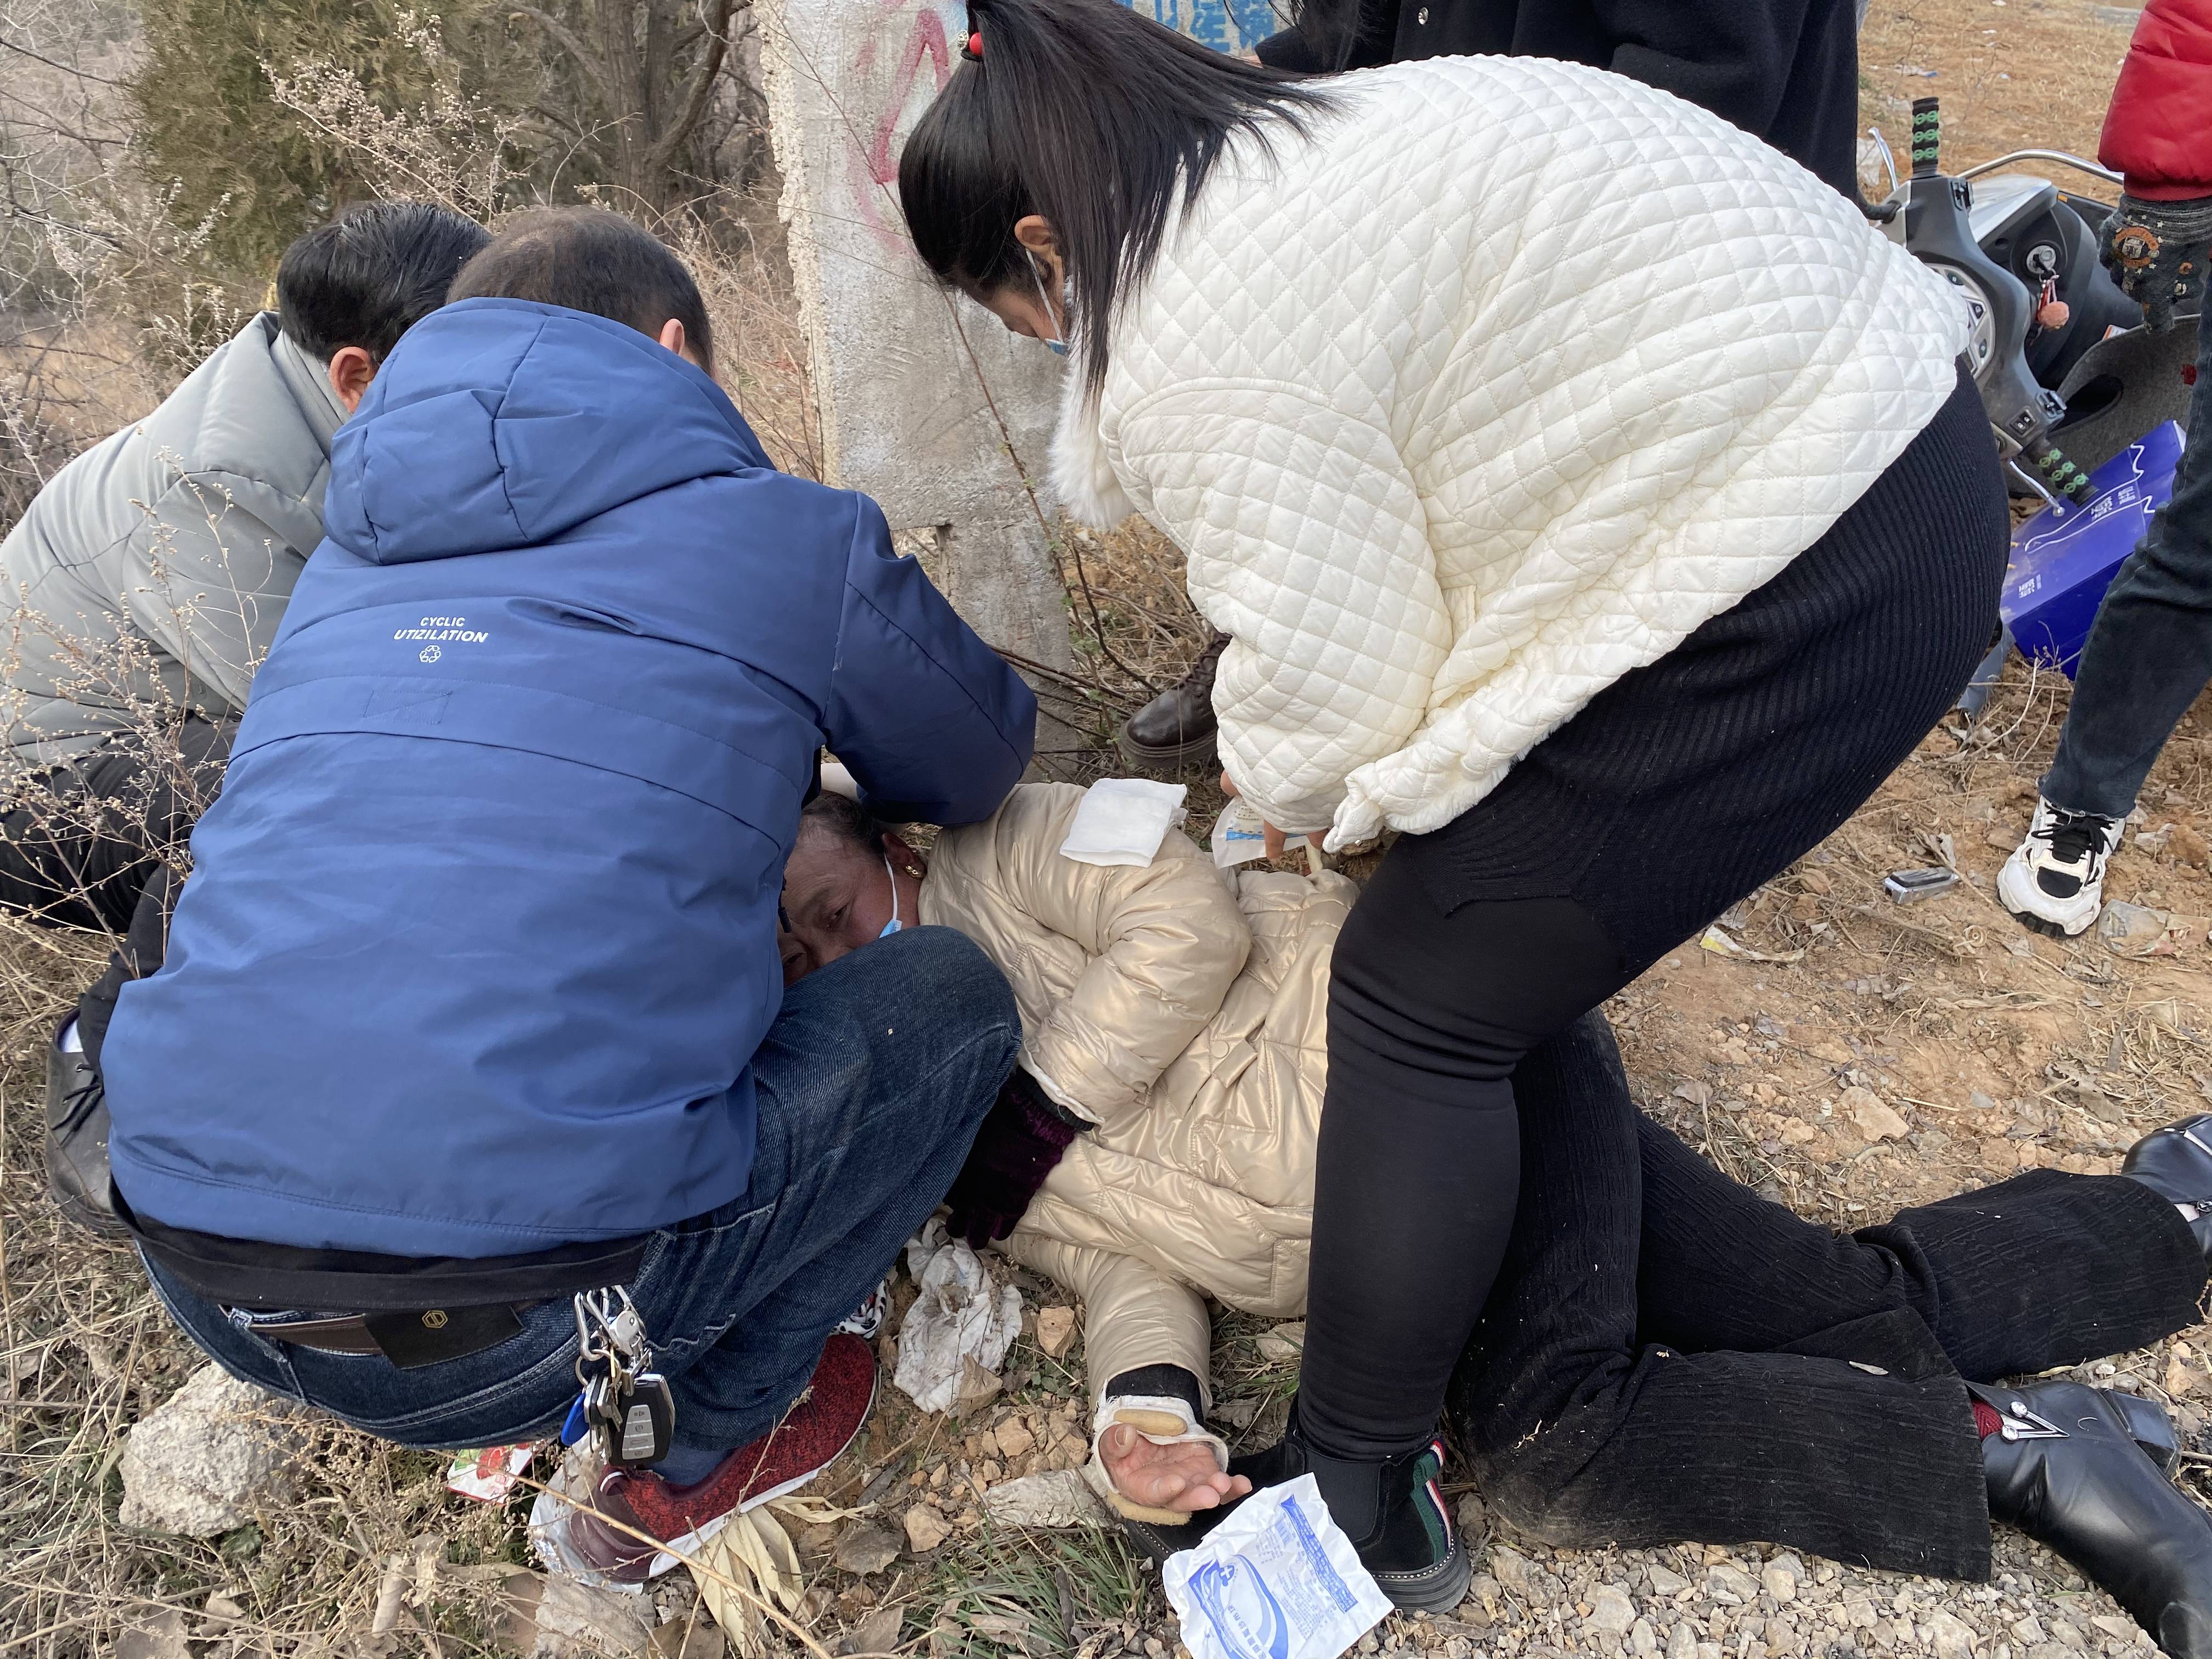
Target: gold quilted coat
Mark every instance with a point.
(1187, 1022)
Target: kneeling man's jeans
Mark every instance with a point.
(871, 1083)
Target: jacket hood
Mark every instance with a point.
(501, 423)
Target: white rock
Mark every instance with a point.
(1949, 1636)
(1683, 1644)
(925, 1529)
(1061, 1498)
(1284, 1342)
(1876, 1118)
(555, 1618)
(1731, 1586)
(1666, 1582)
(1055, 1330)
(2028, 1630)
(1474, 1517)
(1611, 1611)
(162, 1638)
(1642, 1638)
(210, 1458)
(1778, 1581)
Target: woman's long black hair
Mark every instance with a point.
(1094, 117)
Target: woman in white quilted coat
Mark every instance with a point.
(1588, 493)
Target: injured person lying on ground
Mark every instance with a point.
(1667, 1355)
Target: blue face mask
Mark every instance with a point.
(894, 924)
(1057, 347)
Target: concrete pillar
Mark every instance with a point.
(927, 403)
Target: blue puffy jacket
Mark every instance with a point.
(481, 936)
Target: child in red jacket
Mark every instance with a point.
(2150, 652)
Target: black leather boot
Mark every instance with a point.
(2069, 1467)
(76, 1142)
(2176, 1164)
(1392, 1512)
(1175, 730)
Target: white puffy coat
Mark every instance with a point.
(1495, 390)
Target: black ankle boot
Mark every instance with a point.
(1175, 730)
(2080, 1468)
(2176, 1164)
(1391, 1511)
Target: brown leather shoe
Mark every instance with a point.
(1175, 730)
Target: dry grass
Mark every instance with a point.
(1998, 1049)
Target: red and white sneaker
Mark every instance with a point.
(575, 1539)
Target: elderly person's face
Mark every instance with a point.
(838, 897)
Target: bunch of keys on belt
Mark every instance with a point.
(625, 1401)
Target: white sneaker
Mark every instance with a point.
(2054, 882)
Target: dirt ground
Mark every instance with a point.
(1837, 1051)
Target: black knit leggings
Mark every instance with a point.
(1667, 1355)
(1675, 792)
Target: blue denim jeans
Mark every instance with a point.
(2149, 653)
(871, 1083)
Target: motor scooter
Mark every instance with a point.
(2067, 370)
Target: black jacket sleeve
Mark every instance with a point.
(1307, 48)
(1732, 58)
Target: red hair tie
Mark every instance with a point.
(973, 51)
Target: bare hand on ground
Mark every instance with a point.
(1177, 1477)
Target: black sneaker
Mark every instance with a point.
(1392, 1511)
(76, 1140)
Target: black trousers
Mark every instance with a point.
(1667, 1355)
(77, 845)
(1677, 790)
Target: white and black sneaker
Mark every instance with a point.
(2054, 882)
(867, 1319)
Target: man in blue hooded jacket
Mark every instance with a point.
(474, 1001)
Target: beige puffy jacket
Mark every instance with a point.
(1188, 1023)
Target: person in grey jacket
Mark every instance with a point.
(146, 579)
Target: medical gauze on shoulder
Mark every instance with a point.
(1123, 821)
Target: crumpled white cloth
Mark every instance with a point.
(1123, 821)
(959, 1316)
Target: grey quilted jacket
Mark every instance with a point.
(152, 571)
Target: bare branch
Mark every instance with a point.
(66, 68)
(701, 90)
(566, 39)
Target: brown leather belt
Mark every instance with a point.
(426, 1336)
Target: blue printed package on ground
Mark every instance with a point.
(2065, 557)
(1278, 1579)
